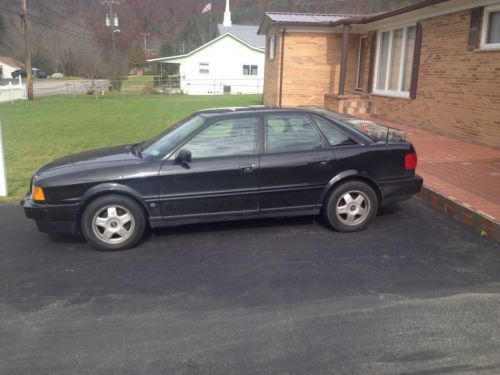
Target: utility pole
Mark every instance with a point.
(145, 33)
(27, 54)
(112, 23)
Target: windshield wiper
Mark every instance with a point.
(136, 149)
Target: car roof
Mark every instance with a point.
(258, 109)
(261, 109)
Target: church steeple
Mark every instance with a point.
(227, 16)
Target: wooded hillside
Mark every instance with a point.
(71, 36)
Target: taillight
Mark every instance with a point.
(411, 161)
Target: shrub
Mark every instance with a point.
(149, 90)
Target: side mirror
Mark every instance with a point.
(183, 157)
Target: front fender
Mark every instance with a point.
(112, 187)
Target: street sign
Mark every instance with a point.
(3, 173)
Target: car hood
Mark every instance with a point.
(116, 154)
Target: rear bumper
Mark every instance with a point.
(49, 218)
(401, 189)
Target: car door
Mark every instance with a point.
(223, 175)
(296, 166)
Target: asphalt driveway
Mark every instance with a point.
(416, 293)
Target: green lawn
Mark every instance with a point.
(36, 132)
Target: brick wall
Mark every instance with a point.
(458, 90)
(272, 72)
(311, 68)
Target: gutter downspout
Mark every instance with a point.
(281, 65)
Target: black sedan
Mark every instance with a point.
(224, 164)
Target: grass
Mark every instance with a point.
(37, 132)
(136, 84)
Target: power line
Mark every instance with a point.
(53, 27)
(53, 12)
(61, 29)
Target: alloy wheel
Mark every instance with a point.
(113, 224)
(352, 208)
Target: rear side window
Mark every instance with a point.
(289, 133)
(334, 136)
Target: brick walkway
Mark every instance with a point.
(465, 172)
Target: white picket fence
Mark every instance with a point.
(12, 92)
(3, 172)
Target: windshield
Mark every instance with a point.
(164, 143)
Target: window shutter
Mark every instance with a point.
(475, 19)
(371, 66)
(416, 61)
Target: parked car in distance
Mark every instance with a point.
(39, 73)
(18, 73)
(224, 164)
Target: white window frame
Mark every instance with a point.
(359, 61)
(486, 25)
(250, 70)
(386, 92)
(203, 66)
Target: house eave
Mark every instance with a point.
(169, 60)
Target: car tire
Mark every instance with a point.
(351, 206)
(113, 222)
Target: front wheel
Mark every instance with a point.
(113, 222)
(351, 206)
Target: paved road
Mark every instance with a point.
(46, 87)
(416, 293)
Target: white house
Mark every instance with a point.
(228, 64)
(8, 65)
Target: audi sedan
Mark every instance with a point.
(224, 164)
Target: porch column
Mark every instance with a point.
(343, 59)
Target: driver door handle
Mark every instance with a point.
(247, 168)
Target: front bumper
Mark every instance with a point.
(401, 189)
(52, 218)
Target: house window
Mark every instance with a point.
(271, 47)
(490, 33)
(393, 69)
(204, 68)
(250, 70)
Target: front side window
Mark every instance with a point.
(235, 136)
(394, 61)
(490, 35)
(291, 133)
(334, 136)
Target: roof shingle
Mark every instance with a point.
(306, 17)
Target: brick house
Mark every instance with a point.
(435, 64)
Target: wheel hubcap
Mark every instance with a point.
(353, 208)
(113, 224)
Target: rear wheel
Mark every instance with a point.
(351, 206)
(113, 222)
